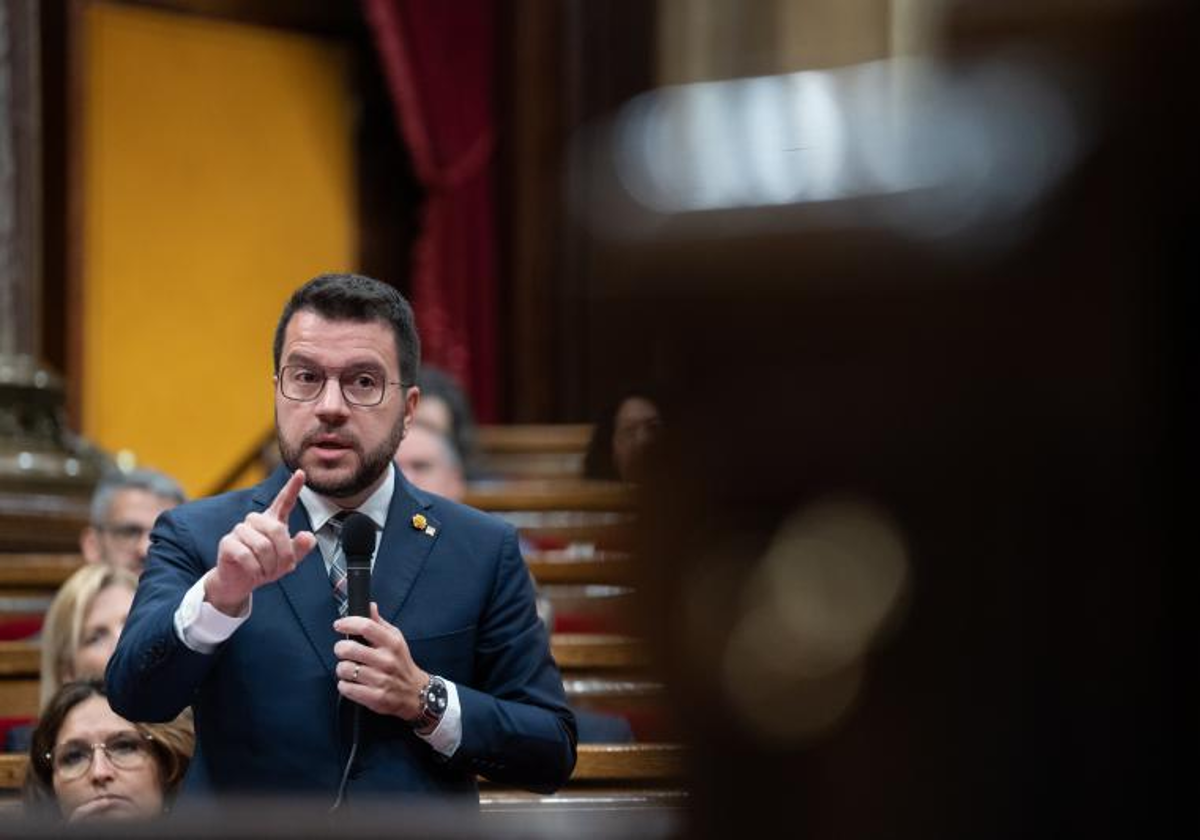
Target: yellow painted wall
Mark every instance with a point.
(218, 176)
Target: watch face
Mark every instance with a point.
(437, 697)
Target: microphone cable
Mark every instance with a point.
(341, 791)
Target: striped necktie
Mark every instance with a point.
(337, 563)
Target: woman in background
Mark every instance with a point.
(621, 437)
(83, 624)
(88, 763)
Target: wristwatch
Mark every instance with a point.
(434, 698)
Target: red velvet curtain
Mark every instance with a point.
(438, 59)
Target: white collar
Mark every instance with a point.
(321, 509)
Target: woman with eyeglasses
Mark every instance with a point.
(86, 762)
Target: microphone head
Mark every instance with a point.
(358, 540)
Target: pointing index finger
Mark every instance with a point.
(281, 506)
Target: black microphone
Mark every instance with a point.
(358, 544)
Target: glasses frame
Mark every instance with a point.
(122, 532)
(143, 739)
(333, 373)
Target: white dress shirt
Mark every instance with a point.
(202, 627)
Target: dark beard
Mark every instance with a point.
(370, 464)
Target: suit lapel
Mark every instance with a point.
(307, 588)
(403, 549)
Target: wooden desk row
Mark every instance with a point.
(28, 574)
(533, 450)
(572, 651)
(594, 666)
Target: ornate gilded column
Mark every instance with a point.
(46, 472)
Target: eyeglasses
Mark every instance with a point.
(644, 429)
(124, 750)
(127, 532)
(360, 386)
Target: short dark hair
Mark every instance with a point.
(171, 744)
(598, 460)
(438, 384)
(353, 297)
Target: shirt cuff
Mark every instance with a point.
(200, 625)
(446, 737)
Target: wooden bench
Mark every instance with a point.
(38, 522)
(599, 672)
(533, 450)
(548, 495)
(573, 568)
(41, 572)
(45, 573)
(556, 514)
(28, 582)
(573, 652)
(586, 659)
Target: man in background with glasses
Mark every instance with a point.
(241, 611)
(124, 507)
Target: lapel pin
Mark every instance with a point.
(419, 522)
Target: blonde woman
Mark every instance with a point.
(83, 624)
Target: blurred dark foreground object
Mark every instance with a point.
(914, 526)
(436, 820)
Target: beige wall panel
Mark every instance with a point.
(218, 166)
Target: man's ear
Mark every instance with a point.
(411, 400)
(89, 544)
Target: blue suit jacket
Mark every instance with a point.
(268, 716)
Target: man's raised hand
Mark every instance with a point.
(258, 550)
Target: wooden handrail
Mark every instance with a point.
(256, 454)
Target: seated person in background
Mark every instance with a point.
(79, 633)
(83, 624)
(124, 507)
(621, 436)
(88, 763)
(429, 461)
(446, 409)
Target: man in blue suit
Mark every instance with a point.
(237, 613)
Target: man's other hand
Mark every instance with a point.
(381, 674)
